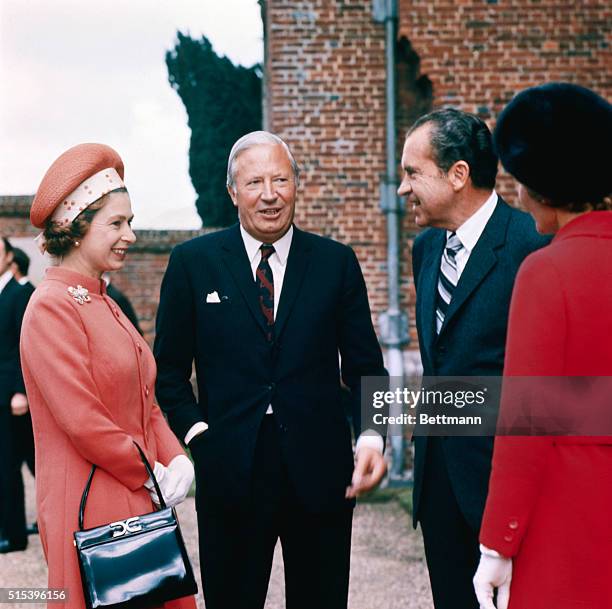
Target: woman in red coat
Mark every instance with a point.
(89, 374)
(547, 532)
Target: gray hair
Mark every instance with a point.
(257, 138)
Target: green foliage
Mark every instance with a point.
(223, 102)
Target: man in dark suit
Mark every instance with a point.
(464, 269)
(13, 406)
(274, 317)
(20, 268)
(22, 425)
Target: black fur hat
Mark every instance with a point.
(556, 140)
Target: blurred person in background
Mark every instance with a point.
(13, 406)
(20, 267)
(23, 441)
(546, 534)
(89, 374)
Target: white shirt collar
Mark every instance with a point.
(23, 280)
(469, 232)
(281, 247)
(5, 278)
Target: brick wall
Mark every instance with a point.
(141, 277)
(479, 53)
(326, 98)
(326, 93)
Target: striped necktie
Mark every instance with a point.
(447, 278)
(265, 288)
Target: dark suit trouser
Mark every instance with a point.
(236, 548)
(12, 498)
(451, 545)
(25, 440)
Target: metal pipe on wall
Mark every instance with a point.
(393, 322)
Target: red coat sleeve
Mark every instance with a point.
(535, 347)
(55, 349)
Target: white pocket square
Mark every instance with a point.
(213, 297)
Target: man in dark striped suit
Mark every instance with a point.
(464, 269)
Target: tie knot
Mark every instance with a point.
(453, 245)
(266, 250)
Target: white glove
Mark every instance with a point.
(174, 481)
(493, 572)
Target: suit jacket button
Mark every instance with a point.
(442, 348)
(271, 387)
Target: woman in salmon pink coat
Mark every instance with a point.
(546, 533)
(89, 374)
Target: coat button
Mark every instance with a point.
(139, 348)
(146, 391)
(508, 538)
(513, 524)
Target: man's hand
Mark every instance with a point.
(493, 573)
(370, 467)
(19, 404)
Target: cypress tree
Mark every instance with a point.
(223, 102)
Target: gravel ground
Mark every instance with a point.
(387, 567)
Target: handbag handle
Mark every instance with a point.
(147, 465)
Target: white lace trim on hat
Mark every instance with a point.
(88, 191)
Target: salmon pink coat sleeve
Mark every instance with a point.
(55, 344)
(168, 445)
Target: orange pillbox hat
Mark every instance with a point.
(66, 173)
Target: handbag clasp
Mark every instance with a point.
(123, 527)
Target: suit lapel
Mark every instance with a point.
(235, 258)
(482, 259)
(428, 289)
(297, 263)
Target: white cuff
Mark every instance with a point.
(196, 429)
(370, 439)
(158, 472)
(489, 552)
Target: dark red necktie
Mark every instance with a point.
(265, 288)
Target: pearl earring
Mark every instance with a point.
(77, 243)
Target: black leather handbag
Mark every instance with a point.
(134, 563)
